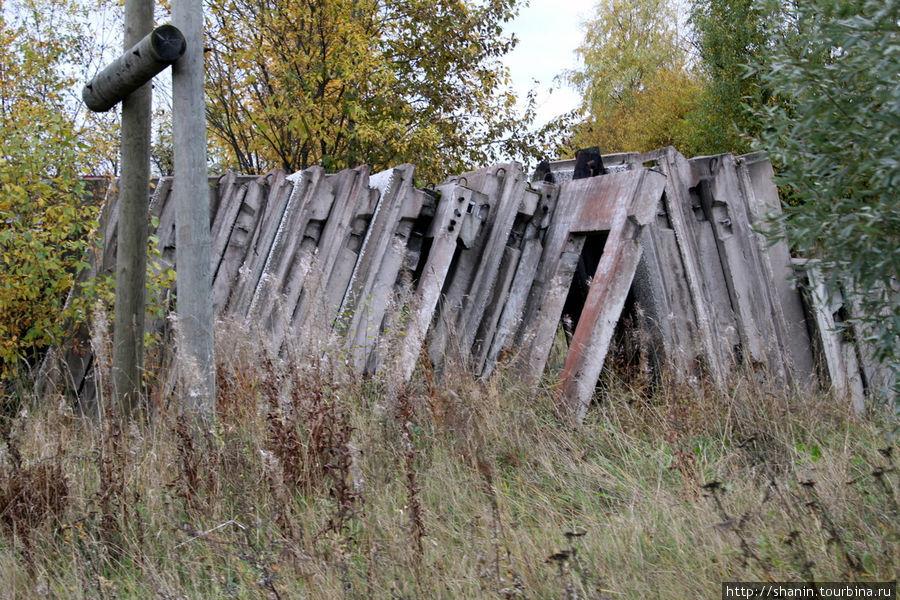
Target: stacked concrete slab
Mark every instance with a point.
(717, 293)
(487, 265)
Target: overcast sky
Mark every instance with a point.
(548, 32)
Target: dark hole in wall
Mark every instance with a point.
(451, 273)
(737, 354)
(812, 329)
(697, 203)
(420, 245)
(841, 322)
(591, 253)
(517, 233)
(357, 233)
(424, 251)
(848, 338)
(663, 221)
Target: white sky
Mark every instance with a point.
(548, 33)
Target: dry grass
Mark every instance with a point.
(317, 484)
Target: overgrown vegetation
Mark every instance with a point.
(44, 212)
(48, 143)
(834, 134)
(317, 484)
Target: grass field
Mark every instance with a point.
(317, 484)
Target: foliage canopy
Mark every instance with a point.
(345, 82)
(729, 34)
(638, 91)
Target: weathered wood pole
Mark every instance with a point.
(196, 360)
(134, 197)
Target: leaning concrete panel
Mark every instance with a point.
(333, 261)
(879, 377)
(290, 257)
(509, 262)
(452, 217)
(381, 258)
(839, 355)
(531, 250)
(273, 200)
(710, 319)
(547, 295)
(531, 213)
(224, 212)
(499, 225)
(661, 291)
(625, 211)
(466, 294)
(715, 296)
(757, 181)
(544, 310)
(619, 203)
(162, 208)
(511, 315)
(251, 200)
(363, 202)
(232, 190)
(725, 207)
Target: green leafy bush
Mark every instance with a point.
(835, 134)
(44, 217)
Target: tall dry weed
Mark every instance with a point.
(314, 483)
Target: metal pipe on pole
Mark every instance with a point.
(196, 360)
(134, 198)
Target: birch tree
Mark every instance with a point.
(637, 88)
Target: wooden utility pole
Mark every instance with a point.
(127, 80)
(134, 197)
(196, 361)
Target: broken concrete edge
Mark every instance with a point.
(843, 357)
